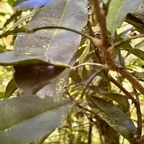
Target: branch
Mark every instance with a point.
(107, 49)
(32, 30)
(92, 77)
(95, 41)
(101, 19)
(84, 64)
(123, 90)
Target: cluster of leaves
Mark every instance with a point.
(74, 68)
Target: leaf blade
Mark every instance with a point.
(114, 117)
(56, 45)
(117, 12)
(30, 118)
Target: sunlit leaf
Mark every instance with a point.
(2, 94)
(23, 19)
(139, 45)
(11, 87)
(117, 12)
(13, 17)
(137, 52)
(82, 58)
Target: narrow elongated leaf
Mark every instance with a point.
(139, 45)
(137, 52)
(136, 22)
(11, 58)
(120, 99)
(23, 19)
(118, 120)
(11, 87)
(13, 17)
(2, 95)
(117, 11)
(26, 119)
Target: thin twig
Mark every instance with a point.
(101, 19)
(92, 77)
(139, 115)
(90, 29)
(90, 130)
(123, 90)
(32, 30)
(131, 79)
(78, 104)
(97, 53)
(41, 141)
(95, 41)
(84, 64)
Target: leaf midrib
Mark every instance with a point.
(56, 29)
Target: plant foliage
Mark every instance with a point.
(77, 72)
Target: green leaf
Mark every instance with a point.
(118, 120)
(55, 44)
(31, 79)
(12, 18)
(40, 107)
(117, 11)
(50, 45)
(120, 99)
(11, 58)
(23, 19)
(42, 81)
(139, 45)
(26, 119)
(83, 52)
(11, 87)
(140, 11)
(14, 59)
(136, 22)
(75, 76)
(137, 52)
(2, 95)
